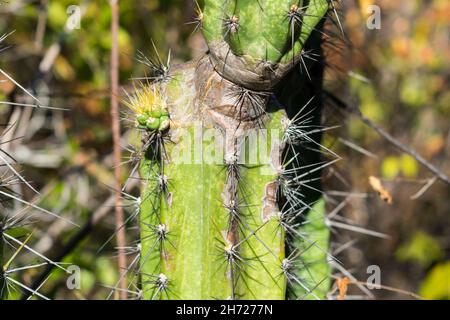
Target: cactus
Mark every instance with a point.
(230, 164)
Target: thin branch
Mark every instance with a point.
(383, 287)
(119, 220)
(424, 189)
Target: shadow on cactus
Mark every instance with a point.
(231, 202)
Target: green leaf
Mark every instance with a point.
(18, 232)
(409, 165)
(421, 248)
(436, 285)
(390, 167)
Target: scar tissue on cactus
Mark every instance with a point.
(236, 228)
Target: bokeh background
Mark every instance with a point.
(398, 75)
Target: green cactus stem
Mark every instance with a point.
(255, 44)
(213, 208)
(190, 208)
(313, 269)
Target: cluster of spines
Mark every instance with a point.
(11, 221)
(158, 231)
(148, 113)
(296, 179)
(151, 116)
(153, 120)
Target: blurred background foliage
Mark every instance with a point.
(399, 75)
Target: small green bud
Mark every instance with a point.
(156, 113)
(153, 124)
(164, 123)
(142, 119)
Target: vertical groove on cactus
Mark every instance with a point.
(231, 203)
(224, 222)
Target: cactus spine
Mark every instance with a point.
(216, 221)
